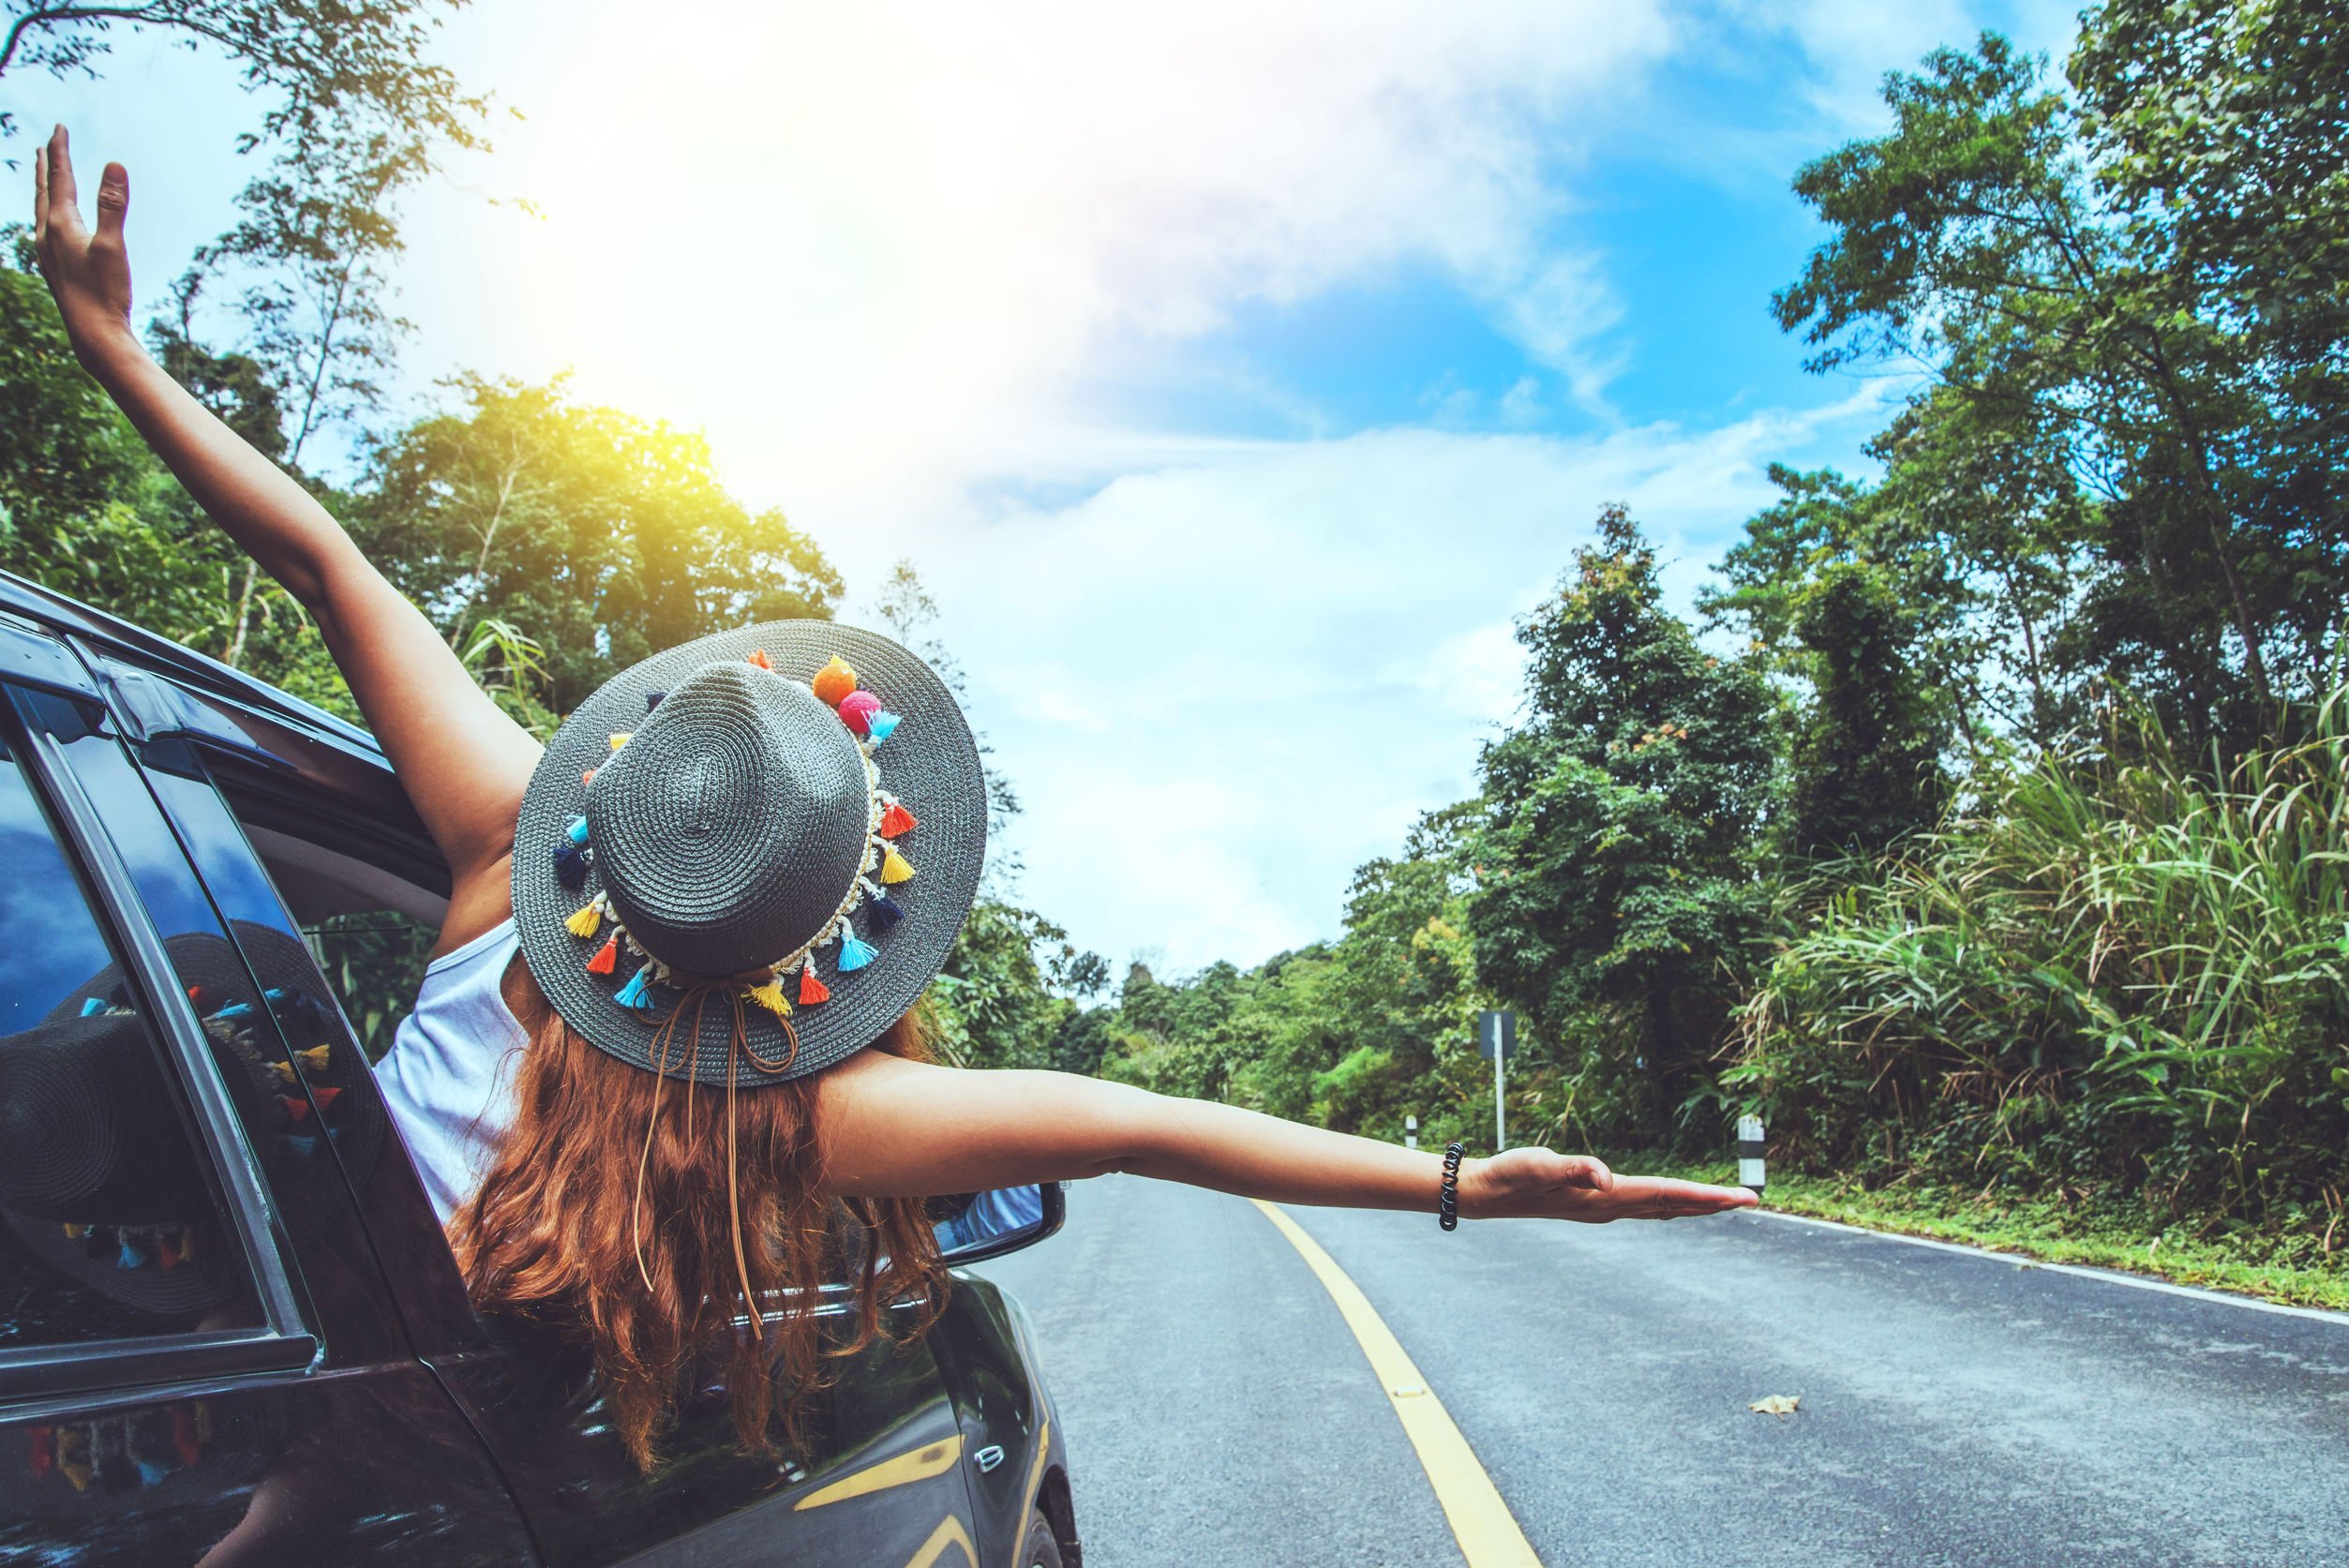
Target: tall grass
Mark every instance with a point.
(2119, 971)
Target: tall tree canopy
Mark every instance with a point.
(2127, 379)
(602, 536)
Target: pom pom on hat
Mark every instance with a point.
(835, 681)
(857, 709)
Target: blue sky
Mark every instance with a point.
(1236, 375)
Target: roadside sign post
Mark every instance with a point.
(1750, 1145)
(1496, 1036)
(1410, 1132)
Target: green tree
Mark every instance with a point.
(602, 537)
(1614, 862)
(2067, 295)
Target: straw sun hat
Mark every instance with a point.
(743, 859)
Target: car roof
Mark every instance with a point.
(135, 644)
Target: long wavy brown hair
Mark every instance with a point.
(638, 1212)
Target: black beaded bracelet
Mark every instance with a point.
(1447, 1206)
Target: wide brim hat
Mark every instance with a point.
(98, 1180)
(115, 1229)
(743, 859)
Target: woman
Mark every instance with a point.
(711, 878)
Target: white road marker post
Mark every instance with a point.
(1750, 1145)
(1496, 1036)
(1410, 1132)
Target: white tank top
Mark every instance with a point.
(448, 1079)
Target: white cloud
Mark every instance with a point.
(868, 248)
(1221, 685)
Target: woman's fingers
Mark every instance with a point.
(40, 195)
(1586, 1170)
(113, 202)
(62, 194)
(1662, 1198)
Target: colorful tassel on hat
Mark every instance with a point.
(297, 1107)
(652, 700)
(130, 1257)
(880, 727)
(607, 957)
(586, 920)
(324, 1099)
(619, 738)
(185, 1441)
(577, 830)
(895, 868)
(896, 821)
(835, 681)
(570, 865)
(150, 1473)
(167, 1252)
(856, 954)
(93, 1006)
(637, 994)
(758, 657)
(299, 1146)
(44, 1453)
(73, 1457)
(587, 776)
(316, 1057)
(812, 990)
(770, 998)
(884, 911)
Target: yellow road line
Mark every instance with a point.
(1481, 1522)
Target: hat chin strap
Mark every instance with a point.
(698, 993)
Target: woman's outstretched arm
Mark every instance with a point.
(461, 760)
(896, 1128)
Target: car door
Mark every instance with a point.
(210, 1370)
(275, 818)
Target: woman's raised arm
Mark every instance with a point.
(461, 760)
(896, 1128)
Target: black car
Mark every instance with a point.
(231, 1329)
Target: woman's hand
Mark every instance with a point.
(88, 272)
(1536, 1184)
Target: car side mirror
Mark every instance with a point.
(974, 1226)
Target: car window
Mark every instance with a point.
(369, 923)
(111, 1223)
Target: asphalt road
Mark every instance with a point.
(1956, 1409)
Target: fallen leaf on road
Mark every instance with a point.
(1777, 1404)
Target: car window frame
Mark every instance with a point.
(281, 1340)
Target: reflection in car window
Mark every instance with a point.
(108, 1224)
(369, 927)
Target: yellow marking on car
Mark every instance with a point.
(899, 1470)
(1035, 1483)
(1486, 1531)
(949, 1533)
